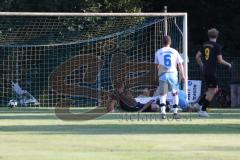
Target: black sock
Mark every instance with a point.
(162, 105)
(175, 106)
(205, 105)
(202, 100)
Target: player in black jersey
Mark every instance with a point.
(207, 57)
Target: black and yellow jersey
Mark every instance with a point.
(210, 50)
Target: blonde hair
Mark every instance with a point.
(213, 33)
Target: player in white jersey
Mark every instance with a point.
(167, 61)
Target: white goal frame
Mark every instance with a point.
(183, 14)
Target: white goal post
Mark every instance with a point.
(75, 58)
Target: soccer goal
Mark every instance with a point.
(76, 59)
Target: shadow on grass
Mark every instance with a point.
(121, 127)
(116, 116)
(113, 129)
(48, 114)
(22, 110)
(28, 117)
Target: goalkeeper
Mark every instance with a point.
(130, 104)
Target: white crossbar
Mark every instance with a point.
(89, 14)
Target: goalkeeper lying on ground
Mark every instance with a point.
(126, 101)
(142, 103)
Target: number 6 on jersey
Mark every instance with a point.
(167, 60)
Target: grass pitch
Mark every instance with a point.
(32, 134)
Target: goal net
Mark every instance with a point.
(57, 59)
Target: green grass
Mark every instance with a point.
(29, 134)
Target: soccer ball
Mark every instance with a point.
(12, 103)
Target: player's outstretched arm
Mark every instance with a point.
(222, 61)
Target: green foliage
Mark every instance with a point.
(71, 6)
(204, 14)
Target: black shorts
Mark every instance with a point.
(140, 106)
(135, 108)
(211, 81)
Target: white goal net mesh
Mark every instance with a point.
(76, 61)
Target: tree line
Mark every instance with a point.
(203, 14)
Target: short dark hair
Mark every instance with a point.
(166, 40)
(213, 33)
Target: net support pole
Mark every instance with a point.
(165, 22)
(185, 51)
(99, 102)
(17, 72)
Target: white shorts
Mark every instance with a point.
(168, 82)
